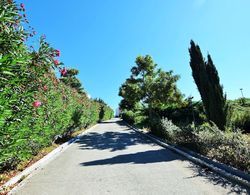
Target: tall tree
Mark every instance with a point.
(150, 87)
(208, 82)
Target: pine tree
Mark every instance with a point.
(149, 86)
(208, 82)
(70, 79)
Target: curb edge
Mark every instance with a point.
(43, 161)
(195, 160)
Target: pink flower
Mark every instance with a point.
(56, 62)
(45, 88)
(22, 6)
(37, 103)
(63, 71)
(57, 53)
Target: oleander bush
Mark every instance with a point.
(35, 105)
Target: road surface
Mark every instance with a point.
(113, 159)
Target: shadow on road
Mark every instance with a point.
(114, 140)
(112, 122)
(216, 179)
(121, 140)
(151, 156)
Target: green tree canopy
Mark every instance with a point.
(150, 87)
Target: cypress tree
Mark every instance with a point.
(208, 83)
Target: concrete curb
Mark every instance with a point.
(196, 160)
(43, 161)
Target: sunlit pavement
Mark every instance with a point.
(113, 159)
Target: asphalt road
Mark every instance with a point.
(113, 159)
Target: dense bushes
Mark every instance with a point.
(105, 112)
(242, 120)
(35, 106)
(240, 114)
(134, 117)
(229, 147)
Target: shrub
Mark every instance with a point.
(128, 116)
(105, 113)
(76, 117)
(169, 130)
(228, 147)
(242, 120)
(135, 117)
(184, 135)
(35, 106)
(185, 114)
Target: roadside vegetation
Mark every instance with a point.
(40, 99)
(215, 127)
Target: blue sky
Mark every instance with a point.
(103, 38)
